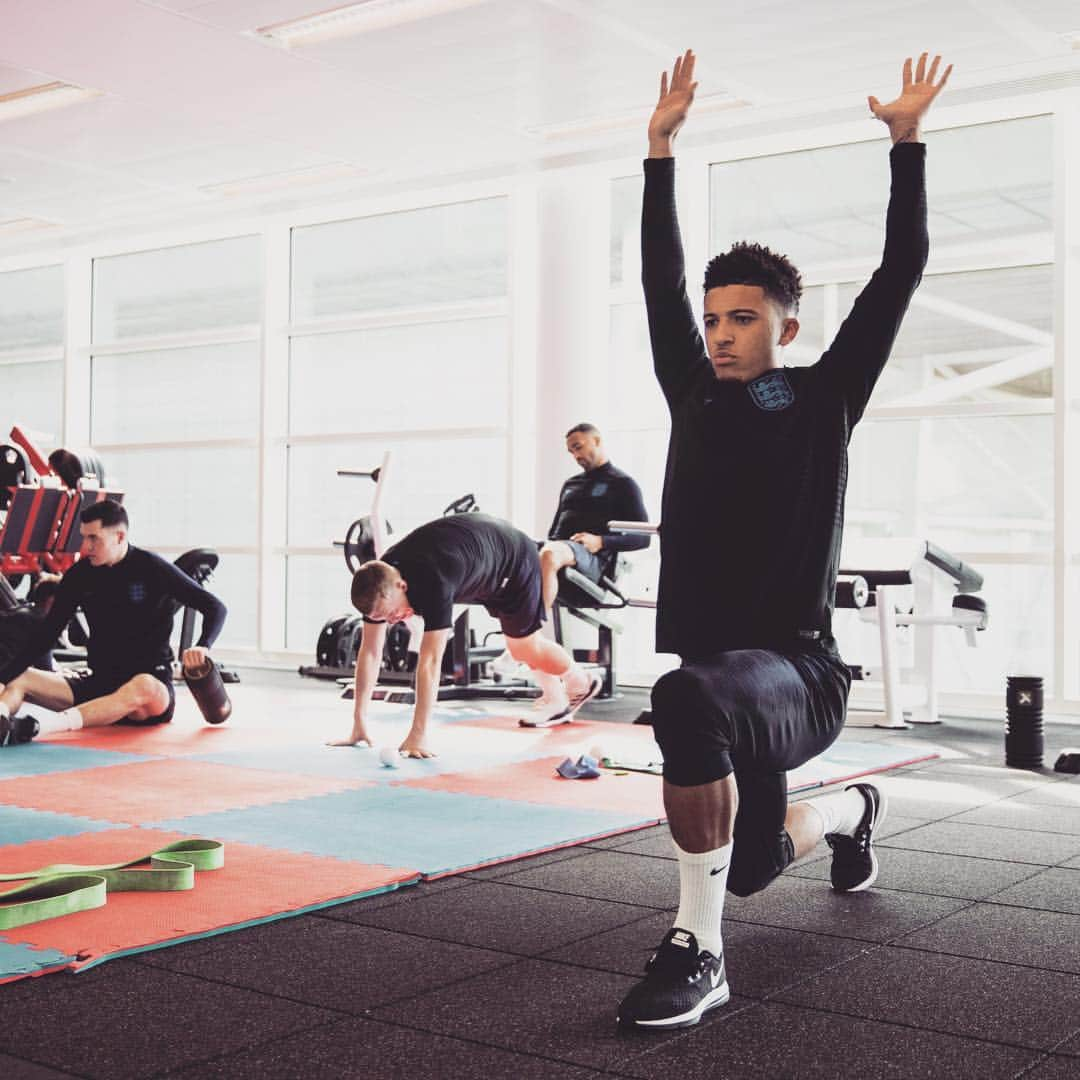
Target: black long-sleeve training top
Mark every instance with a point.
(753, 503)
(129, 609)
(588, 501)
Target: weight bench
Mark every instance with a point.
(589, 601)
(28, 534)
(913, 583)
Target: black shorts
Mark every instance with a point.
(86, 686)
(755, 713)
(518, 604)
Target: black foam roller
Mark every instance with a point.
(209, 692)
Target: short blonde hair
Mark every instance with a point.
(373, 581)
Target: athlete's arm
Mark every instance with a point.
(862, 345)
(677, 348)
(428, 667)
(368, 665)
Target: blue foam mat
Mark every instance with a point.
(19, 825)
(18, 960)
(39, 758)
(456, 754)
(433, 831)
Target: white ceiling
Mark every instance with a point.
(191, 99)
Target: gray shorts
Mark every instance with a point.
(594, 567)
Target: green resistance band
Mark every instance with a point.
(65, 888)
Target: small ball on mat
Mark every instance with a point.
(390, 757)
(597, 751)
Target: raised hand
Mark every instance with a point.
(673, 105)
(905, 113)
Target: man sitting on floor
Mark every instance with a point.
(129, 597)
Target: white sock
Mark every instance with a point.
(840, 812)
(702, 884)
(575, 680)
(68, 720)
(552, 686)
(504, 663)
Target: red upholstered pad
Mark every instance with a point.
(255, 883)
(537, 782)
(143, 792)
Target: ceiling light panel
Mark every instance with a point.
(347, 20)
(273, 182)
(18, 226)
(37, 99)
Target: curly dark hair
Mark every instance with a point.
(754, 264)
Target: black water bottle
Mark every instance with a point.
(1024, 722)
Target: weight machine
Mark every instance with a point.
(41, 505)
(39, 530)
(917, 588)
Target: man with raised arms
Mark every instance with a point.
(752, 517)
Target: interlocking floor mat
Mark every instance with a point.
(305, 825)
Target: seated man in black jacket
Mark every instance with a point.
(129, 597)
(579, 535)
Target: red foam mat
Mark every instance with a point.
(255, 884)
(142, 792)
(537, 782)
(182, 737)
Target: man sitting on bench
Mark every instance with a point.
(578, 535)
(461, 559)
(129, 597)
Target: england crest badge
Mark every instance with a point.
(772, 391)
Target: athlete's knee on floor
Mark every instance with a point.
(757, 862)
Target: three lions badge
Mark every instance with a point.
(771, 391)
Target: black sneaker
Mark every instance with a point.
(681, 982)
(565, 714)
(854, 864)
(17, 729)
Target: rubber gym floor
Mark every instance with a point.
(963, 961)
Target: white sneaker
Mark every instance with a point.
(566, 714)
(554, 696)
